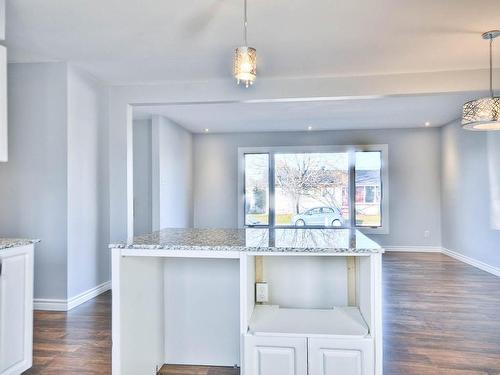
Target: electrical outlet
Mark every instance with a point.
(427, 233)
(261, 292)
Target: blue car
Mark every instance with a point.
(319, 216)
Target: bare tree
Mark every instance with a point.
(303, 175)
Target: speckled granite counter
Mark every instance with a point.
(256, 240)
(7, 243)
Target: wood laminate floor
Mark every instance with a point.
(440, 317)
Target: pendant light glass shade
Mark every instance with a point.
(245, 65)
(484, 114)
(245, 58)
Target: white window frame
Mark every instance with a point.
(382, 148)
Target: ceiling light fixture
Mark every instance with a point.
(245, 58)
(484, 114)
(427, 124)
(309, 127)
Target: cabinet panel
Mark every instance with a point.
(3, 104)
(341, 357)
(275, 355)
(2, 19)
(16, 312)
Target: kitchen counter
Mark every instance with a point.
(180, 293)
(7, 243)
(289, 240)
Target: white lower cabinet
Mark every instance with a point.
(269, 355)
(275, 355)
(16, 310)
(340, 356)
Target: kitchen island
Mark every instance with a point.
(16, 305)
(188, 296)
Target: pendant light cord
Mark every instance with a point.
(491, 66)
(245, 23)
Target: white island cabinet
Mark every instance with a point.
(16, 305)
(188, 296)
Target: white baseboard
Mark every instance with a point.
(88, 295)
(414, 249)
(471, 261)
(68, 304)
(50, 304)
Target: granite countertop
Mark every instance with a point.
(7, 243)
(257, 240)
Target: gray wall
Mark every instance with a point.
(142, 177)
(414, 177)
(172, 175)
(55, 185)
(470, 193)
(33, 188)
(88, 253)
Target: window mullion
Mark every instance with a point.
(352, 187)
(272, 195)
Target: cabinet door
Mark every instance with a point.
(275, 355)
(16, 310)
(341, 357)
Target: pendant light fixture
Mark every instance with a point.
(484, 114)
(245, 58)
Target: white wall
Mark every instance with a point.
(88, 253)
(470, 193)
(142, 177)
(172, 174)
(414, 177)
(33, 183)
(306, 282)
(202, 311)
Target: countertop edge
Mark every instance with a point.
(245, 249)
(9, 243)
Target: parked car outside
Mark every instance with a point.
(319, 216)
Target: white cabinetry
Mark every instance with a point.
(3, 87)
(16, 309)
(275, 355)
(340, 356)
(343, 339)
(2, 19)
(3, 104)
(323, 315)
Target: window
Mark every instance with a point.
(368, 168)
(256, 189)
(305, 183)
(315, 187)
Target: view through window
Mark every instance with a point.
(311, 189)
(368, 189)
(256, 189)
(308, 189)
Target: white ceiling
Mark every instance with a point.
(125, 41)
(370, 113)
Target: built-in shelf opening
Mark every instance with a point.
(339, 321)
(310, 296)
